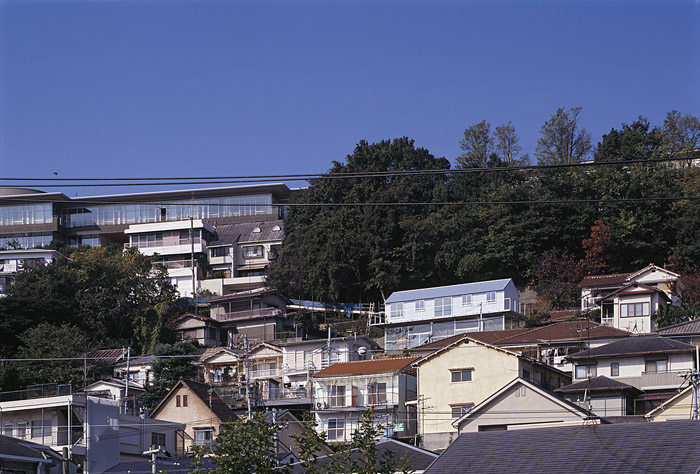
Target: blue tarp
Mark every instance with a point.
(346, 308)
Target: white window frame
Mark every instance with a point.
(204, 441)
(396, 310)
(590, 370)
(461, 377)
(336, 429)
(460, 410)
(419, 306)
(491, 297)
(440, 303)
(466, 300)
(639, 310)
(259, 251)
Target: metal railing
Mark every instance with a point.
(242, 315)
(287, 393)
(37, 391)
(171, 264)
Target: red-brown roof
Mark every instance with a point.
(105, 356)
(595, 281)
(557, 315)
(373, 366)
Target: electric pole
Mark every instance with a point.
(247, 378)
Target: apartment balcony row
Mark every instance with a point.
(655, 380)
(37, 391)
(358, 402)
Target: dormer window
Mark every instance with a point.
(257, 230)
(276, 228)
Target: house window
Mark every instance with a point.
(177, 400)
(336, 429)
(461, 375)
(491, 297)
(631, 310)
(253, 251)
(466, 300)
(203, 436)
(614, 369)
(396, 310)
(583, 371)
(7, 429)
(219, 251)
(443, 307)
(22, 429)
(337, 396)
(377, 393)
(184, 400)
(656, 366)
(461, 410)
(158, 439)
(420, 305)
(329, 357)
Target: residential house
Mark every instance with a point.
(549, 344)
(415, 317)
(688, 332)
(15, 261)
(453, 379)
(97, 431)
(628, 448)
(19, 456)
(240, 253)
(678, 407)
(197, 406)
(33, 218)
(303, 358)
(138, 368)
(629, 300)
(200, 328)
(650, 364)
(521, 404)
(116, 389)
(344, 390)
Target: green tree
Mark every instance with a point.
(681, 133)
(562, 140)
(506, 145)
(171, 365)
(477, 145)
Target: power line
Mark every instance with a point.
(169, 180)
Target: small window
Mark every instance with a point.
(583, 371)
(257, 230)
(656, 366)
(491, 297)
(203, 436)
(396, 310)
(466, 300)
(614, 369)
(337, 397)
(7, 429)
(420, 305)
(184, 400)
(336, 429)
(253, 251)
(22, 429)
(219, 251)
(462, 375)
(158, 439)
(276, 228)
(461, 410)
(177, 400)
(443, 307)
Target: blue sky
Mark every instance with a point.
(178, 88)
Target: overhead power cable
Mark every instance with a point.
(195, 180)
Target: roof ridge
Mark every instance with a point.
(373, 360)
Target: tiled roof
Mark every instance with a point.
(596, 281)
(372, 366)
(451, 290)
(16, 447)
(596, 384)
(635, 345)
(105, 356)
(561, 331)
(681, 329)
(245, 232)
(557, 315)
(628, 448)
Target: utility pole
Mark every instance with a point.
(694, 379)
(276, 435)
(247, 377)
(126, 384)
(153, 452)
(64, 459)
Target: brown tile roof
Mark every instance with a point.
(595, 281)
(373, 366)
(557, 315)
(105, 356)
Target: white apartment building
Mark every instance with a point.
(416, 317)
(15, 261)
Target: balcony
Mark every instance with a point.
(172, 264)
(249, 314)
(37, 391)
(654, 380)
(287, 393)
(265, 373)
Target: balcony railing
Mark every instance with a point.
(654, 379)
(37, 391)
(164, 243)
(287, 393)
(243, 315)
(172, 264)
(264, 373)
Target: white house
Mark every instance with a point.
(343, 391)
(415, 317)
(15, 261)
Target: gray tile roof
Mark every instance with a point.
(244, 232)
(599, 383)
(663, 447)
(451, 290)
(681, 329)
(635, 345)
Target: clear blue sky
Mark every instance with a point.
(178, 88)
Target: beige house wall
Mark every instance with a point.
(492, 369)
(678, 409)
(195, 415)
(519, 406)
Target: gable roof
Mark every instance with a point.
(565, 404)
(603, 281)
(201, 390)
(215, 351)
(626, 448)
(16, 447)
(681, 329)
(687, 391)
(451, 290)
(650, 267)
(597, 384)
(362, 367)
(466, 338)
(625, 288)
(635, 345)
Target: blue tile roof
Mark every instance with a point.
(451, 290)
